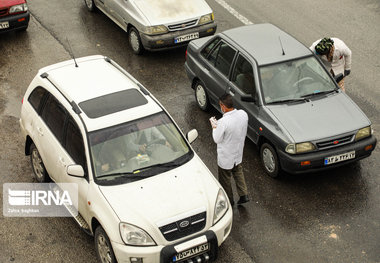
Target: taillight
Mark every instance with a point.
(22, 101)
(186, 55)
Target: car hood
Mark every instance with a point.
(190, 187)
(172, 11)
(320, 118)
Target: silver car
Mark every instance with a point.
(158, 25)
(298, 117)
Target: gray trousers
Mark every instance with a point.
(225, 180)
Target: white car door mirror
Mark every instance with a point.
(192, 135)
(75, 170)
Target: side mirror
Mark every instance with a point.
(247, 98)
(339, 77)
(75, 170)
(192, 135)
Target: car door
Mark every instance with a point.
(243, 88)
(74, 153)
(117, 9)
(48, 135)
(217, 65)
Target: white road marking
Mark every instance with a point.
(235, 13)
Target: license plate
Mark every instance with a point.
(339, 158)
(191, 252)
(186, 37)
(4, 25)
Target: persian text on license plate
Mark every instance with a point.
(191, 252)
(4, 25)
(186, 37)
(339, 158)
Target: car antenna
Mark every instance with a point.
(71, 53)
(283, 52)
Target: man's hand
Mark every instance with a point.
(142, 147)
(213, 122)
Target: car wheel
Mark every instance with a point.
(90, 5)
(269, 160)
(103, 246)
(38, 166)
(201, 96)
(135, 41)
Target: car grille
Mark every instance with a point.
(335, 142)
(184, 227)
(183, 25)
(4, 12)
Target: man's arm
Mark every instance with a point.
(218, 132)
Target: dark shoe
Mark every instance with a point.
(243, 199)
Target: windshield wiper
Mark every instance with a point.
(287, 100)
(130, 175)
(319, 93)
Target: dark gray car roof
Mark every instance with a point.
(263, 43)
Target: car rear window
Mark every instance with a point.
(112, 103)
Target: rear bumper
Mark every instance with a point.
(166, 41)
(16, 22)
(292, 163)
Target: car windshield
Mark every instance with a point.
(137, 149)
(294, 80)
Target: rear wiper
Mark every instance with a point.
(319, 93)
(287, 100)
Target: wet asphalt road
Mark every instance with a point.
(332, 216)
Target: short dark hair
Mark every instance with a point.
(226, 99)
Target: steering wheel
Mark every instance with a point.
(303, 81)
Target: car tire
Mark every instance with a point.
(135, 41)
(103, 246)
(90, 5)
(269, 160)
(201, 96)
(38, 166)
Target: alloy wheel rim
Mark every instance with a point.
(37, 164)
(134, 41)
(104, 250)
(269, 161)
(89, 3)
(201, 96)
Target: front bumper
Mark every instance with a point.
(16, 22)
(215, 235)
(292, 163)
(166, 41)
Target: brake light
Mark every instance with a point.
(186, 55)
(22, 101)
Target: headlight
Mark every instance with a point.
(18, 8)
(221, 206)
(132, 235)
(300, 147)
(154, 30)
(363, 133)
(206, 19)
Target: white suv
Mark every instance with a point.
(143, 192)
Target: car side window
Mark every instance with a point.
(74, 143)
(242, 76)
(54, 116)
(36, 97)
(206, 51)
(221, 57)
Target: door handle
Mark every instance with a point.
(62, 161)
(40, 131)
(231, 91)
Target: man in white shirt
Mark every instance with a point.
(336, 56)
(229, 134)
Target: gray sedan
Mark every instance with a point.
(298, 117)
(158, 25)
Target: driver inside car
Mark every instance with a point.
(139, 141)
